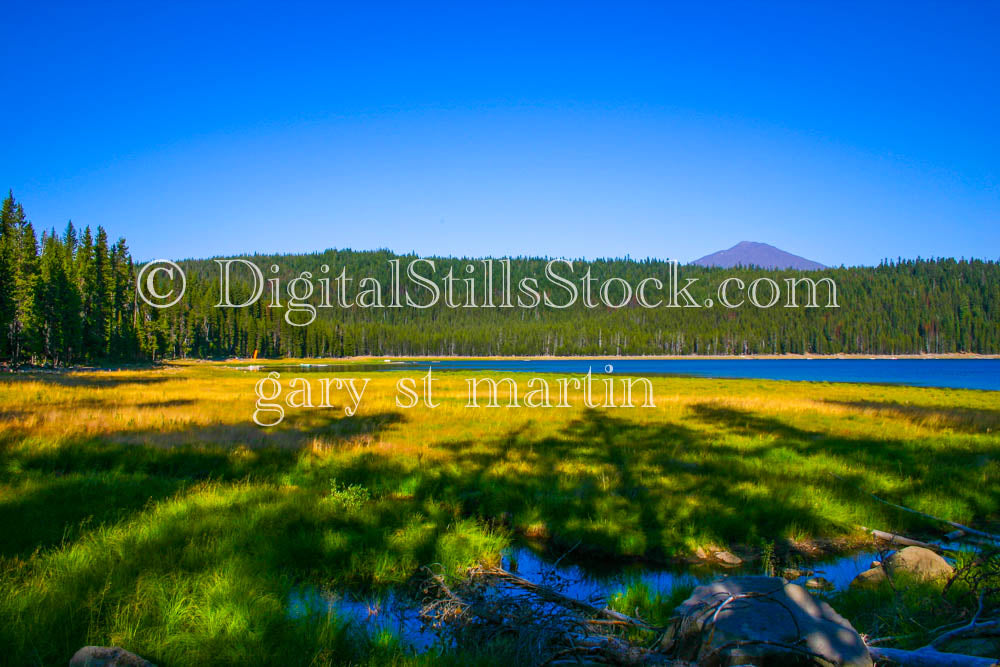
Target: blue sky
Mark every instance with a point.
(841, 132)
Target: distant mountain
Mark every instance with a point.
(749, 253)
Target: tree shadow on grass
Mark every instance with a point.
(214, 569)
(629, 489)
(626, 489)
(207, 577)
(216, 563)
(96, 481)
(917, 469)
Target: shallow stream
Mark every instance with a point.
(398, 615)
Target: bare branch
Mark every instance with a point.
(971, 531)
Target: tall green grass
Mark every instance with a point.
(142, 509)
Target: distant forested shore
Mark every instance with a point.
(70, 297)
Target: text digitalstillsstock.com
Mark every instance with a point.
(593, 392)
(488, 283)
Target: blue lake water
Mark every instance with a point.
(399, 615)
(954, 373)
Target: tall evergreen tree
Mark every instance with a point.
(18, 259)
(24, 288)
(72, 306)
(99, 326)
(52, 295)
(9, 242)
(122, 301)
(87, 277)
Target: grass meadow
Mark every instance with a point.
(144, 509)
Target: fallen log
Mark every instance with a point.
(491, 602)
(927, 657)
(893, 538)
(971, 531)
(549, 595)
(973, 628)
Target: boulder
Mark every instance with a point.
(916, 562)
(920, 562)
(869, 578)
(107, 656)
(761, 621)
(728, 558)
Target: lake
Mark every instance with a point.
(953, 373)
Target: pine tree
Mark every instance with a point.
(87, 277)
(122, 301)
(18, 258)
(72, 305)
(8, 251)
(51, 297)
(25, 287)
(100, 324)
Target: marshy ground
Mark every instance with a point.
(144, 508)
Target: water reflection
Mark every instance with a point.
(388, 613)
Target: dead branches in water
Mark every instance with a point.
(539, 623)
(931, 655)
(553, 596)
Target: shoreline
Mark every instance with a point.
(652, 357)
(128, 366)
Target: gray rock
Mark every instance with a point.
(868, 578)
(728, 558)
(917, 562)
(920, 562)
(761, 621)
(107, 656)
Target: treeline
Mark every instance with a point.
(64, 299)
(900, 307)
(71, 298)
